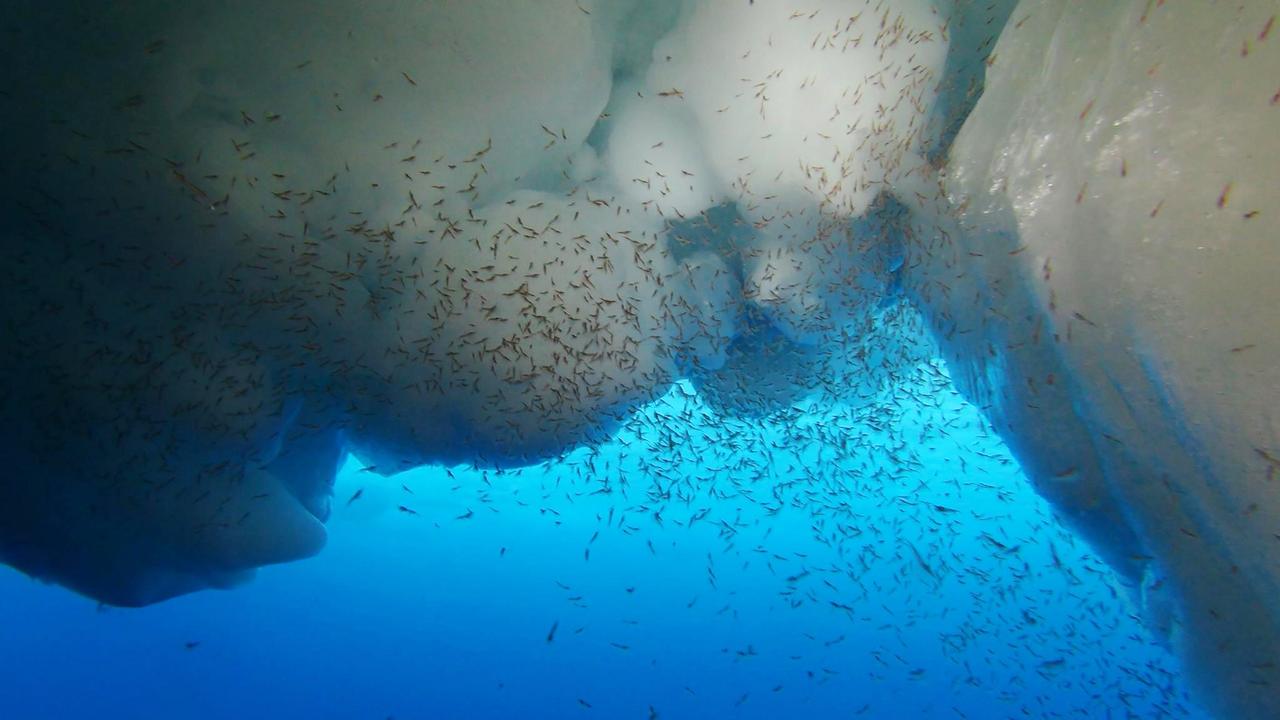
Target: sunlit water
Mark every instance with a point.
(695, 567)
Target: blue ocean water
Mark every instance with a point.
(697, 566)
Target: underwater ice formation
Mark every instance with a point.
(242, 239)
(1108, 291)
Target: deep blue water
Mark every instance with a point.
(788, 567)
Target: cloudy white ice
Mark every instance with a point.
(244, 239)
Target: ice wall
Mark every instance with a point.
(1102, 274)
